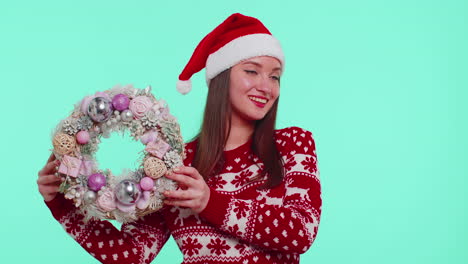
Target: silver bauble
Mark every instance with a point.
(89, 197)
(100, 109)
(126, 116)
(127, 192)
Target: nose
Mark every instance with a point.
(265, 85)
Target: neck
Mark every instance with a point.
(241, 131)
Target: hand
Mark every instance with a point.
(195, 193)
(47, 182)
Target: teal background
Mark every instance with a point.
(381, 84)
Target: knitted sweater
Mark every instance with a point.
(240, 224)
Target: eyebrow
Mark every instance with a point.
(259, 65)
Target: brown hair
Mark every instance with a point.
(215, 131)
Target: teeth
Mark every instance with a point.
(263, 101)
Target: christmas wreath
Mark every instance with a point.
(98, 193)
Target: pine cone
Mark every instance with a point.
(150, 120)
(171, 132)
(172, 159)
(84, 123)
(70, 126)
(136, 129)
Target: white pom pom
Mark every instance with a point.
(184, 86)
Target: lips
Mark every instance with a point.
(259, 101)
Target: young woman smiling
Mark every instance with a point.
(248, 193)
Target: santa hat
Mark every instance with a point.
(238, 38)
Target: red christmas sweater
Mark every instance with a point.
(241, 224)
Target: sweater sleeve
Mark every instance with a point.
(290, 227)
(136, 242)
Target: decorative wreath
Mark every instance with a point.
(98, 193)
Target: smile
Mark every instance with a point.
(261, 100)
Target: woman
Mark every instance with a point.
(249, 193)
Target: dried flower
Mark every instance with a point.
(106, 200)
(140, 105)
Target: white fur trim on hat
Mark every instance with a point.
(242, 48)
(184, 86)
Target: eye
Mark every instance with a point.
(276, 78)
(250, 72)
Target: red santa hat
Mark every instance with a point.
(238, 38)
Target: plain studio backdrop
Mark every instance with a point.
(382, 85)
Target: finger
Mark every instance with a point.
(179, 194)
(184, 203)
(189, 171)
(56, 182)
(48, 179)
(49, 197)
(51, 157)
(48, 189)
(181, 187)
(182, 179)
(48, 168)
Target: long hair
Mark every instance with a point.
(215, 130)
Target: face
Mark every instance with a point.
(254, 87)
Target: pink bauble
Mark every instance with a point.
(120, 102)
(147, 184)
(96, 181)
(82, 137)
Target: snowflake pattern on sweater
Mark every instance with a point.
(241, 223)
